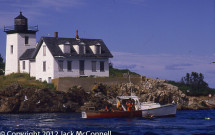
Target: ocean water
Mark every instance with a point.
(185, 123)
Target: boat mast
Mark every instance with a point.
(130, 82)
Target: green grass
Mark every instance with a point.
(114, 72)
(24, 80)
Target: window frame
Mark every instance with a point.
(82, 67)
(102, 69)
(49, 80)
(93, 66)
(23, 65)
(82, 49)
(98, 49)
(11, 49)
(44, 50)
(60, 69)
(69, 62)
(44, 66)
(26, 40)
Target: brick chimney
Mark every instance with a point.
(77, 37)
(56, 34)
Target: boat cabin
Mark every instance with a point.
(137, 104)
(125, 100)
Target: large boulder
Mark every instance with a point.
(16, 99)
(157, 91)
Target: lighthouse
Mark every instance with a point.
(19, 38)
(53, 57)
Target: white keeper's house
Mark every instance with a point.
(53, 57)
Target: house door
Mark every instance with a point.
(81, 67)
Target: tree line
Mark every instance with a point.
(195, 81)
(193, 84)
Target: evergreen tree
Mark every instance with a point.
(2, 65)
(196, 82)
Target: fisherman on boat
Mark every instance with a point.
(119, 106)
(129, 105)
(108, 108)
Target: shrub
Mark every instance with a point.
(114, 72)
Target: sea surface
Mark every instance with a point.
(185, 123)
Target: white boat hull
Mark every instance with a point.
(164, 110)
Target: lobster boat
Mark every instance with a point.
(130, 106)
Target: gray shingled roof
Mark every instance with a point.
(28, 54)
(53, 45)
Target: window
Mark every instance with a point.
(49, 79)
(11, 49)
(81, 49)
(93, 66)
(44, 66)
(60, 65)
(69, 65)
(44, 50)
(81, 67)
(102, 66)
(23, 65)
(26, 39)
(98, 48)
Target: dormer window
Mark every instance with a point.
(82, 48)
(96, 48)
(65, 48)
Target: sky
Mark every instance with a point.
(156, 38)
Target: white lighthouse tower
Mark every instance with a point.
(20, 37)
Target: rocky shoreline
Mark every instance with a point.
(16, 99)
